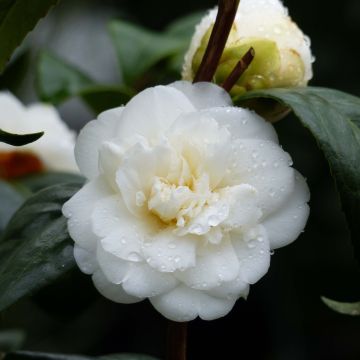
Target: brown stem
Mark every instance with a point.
(238, 70)
(176, 341)
(219, 35)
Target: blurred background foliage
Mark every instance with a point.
(283, 317)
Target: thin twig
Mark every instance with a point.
(238, 70)
(219, 35)
(176, 341)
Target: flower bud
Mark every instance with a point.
(282, 52)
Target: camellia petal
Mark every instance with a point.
(152, 111)
(112, 291)
(184, 304)
(143, 281)
(285, 225)
(79, 209)
(253, 251)
(191, 194)
(203, 95)
(90, 139)
(166, 252)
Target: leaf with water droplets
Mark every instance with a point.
(35, 248)
(343, 307)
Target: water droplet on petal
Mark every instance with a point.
(133, 257)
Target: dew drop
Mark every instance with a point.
(133, 257)
(171, 245)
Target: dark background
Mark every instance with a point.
(283, 317)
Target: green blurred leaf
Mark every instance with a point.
(35, 248)
(343, 308)
(11, 340)
(28, 355)
(138, 49)
(57, 81)
(19, 139)
(17, 18)
(103, 97)
(184, 27)
(333, 118)
(37, 182)
(10, 202)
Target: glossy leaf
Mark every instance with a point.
(17, 18)
(138, 49)
(57, 81)
(333, 118)
(35, 248)
(343, 308)
(11, 200)
(19, 139)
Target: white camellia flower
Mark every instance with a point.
(53, 151)
(282, 52)
(185, 199)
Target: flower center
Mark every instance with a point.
(180, 204)
(15, 164)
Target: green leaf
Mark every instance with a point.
(17, 18)
(343, 308)
(35, 248)
(333, 118)
(10, 202)
(103, 97)
(28, 355)
(57, 81)
(19, 139)
(184, 27)
(138, 49)
(11, 340)
(37, 182)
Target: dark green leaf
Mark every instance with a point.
(35, 248)
(28, 355)
(17, 18)
(40, 181)
(57, 81)
(343, 308)
(19, 139)
(103, 97)
(11, 340)
(138, 49)
(10, 202)
(333, 117)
